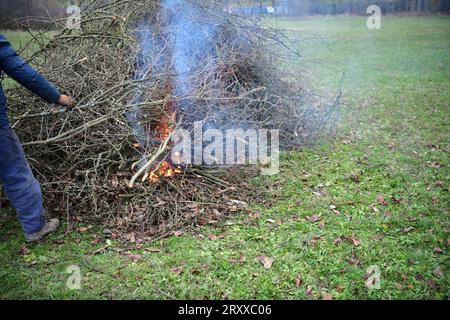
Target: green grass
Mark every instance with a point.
(19, 40)
(393, 142)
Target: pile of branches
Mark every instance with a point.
(130, 65)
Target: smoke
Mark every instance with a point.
(183, 44)
(192, 41)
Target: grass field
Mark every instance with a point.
(375, 196)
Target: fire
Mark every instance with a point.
(163, 130)
(166, 170)
(163, 127)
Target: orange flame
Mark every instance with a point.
(163, 130)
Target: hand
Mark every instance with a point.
(66, 101)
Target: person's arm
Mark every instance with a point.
(15, 67)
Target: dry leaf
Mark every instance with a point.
(266, 261)
(24, 251)
(212, 237)
(354, 260)
(178, 233)
(396, 200)
(327, 296)
(134, 257)
(381, 200)
(339, 288)
(195, 271)
(408, 229)
(399, 286)
(355, 242)
(438, 272)
(177, 270)
(438, 250)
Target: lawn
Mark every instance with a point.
(375, 196)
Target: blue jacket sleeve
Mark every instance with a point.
(15, 67)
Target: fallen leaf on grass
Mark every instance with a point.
(320, 194)
(396, 200)
(381, 200)
(377, 237)
(266, 261)
(24, 251)
(314, 240)
(177, 270)
(195, 271)
(314, 218)
(352, 240)
(178, 233)
(339, 288)
(355, 241)
(438, 250)
(327, 296)
(134, 257)
(432, 284)
(298, 282)
(212, 237)
(83, 229)
(355, 177)
(353, 260)
(254, 216)
(369, 273)
(438, 272)
(408, 229)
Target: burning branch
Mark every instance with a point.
(146, 167)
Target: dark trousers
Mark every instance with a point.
(16, 177)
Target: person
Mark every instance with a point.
(19, 184)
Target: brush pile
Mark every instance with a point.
(139, 70)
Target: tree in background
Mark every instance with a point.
(330, 7)
(33, 13)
